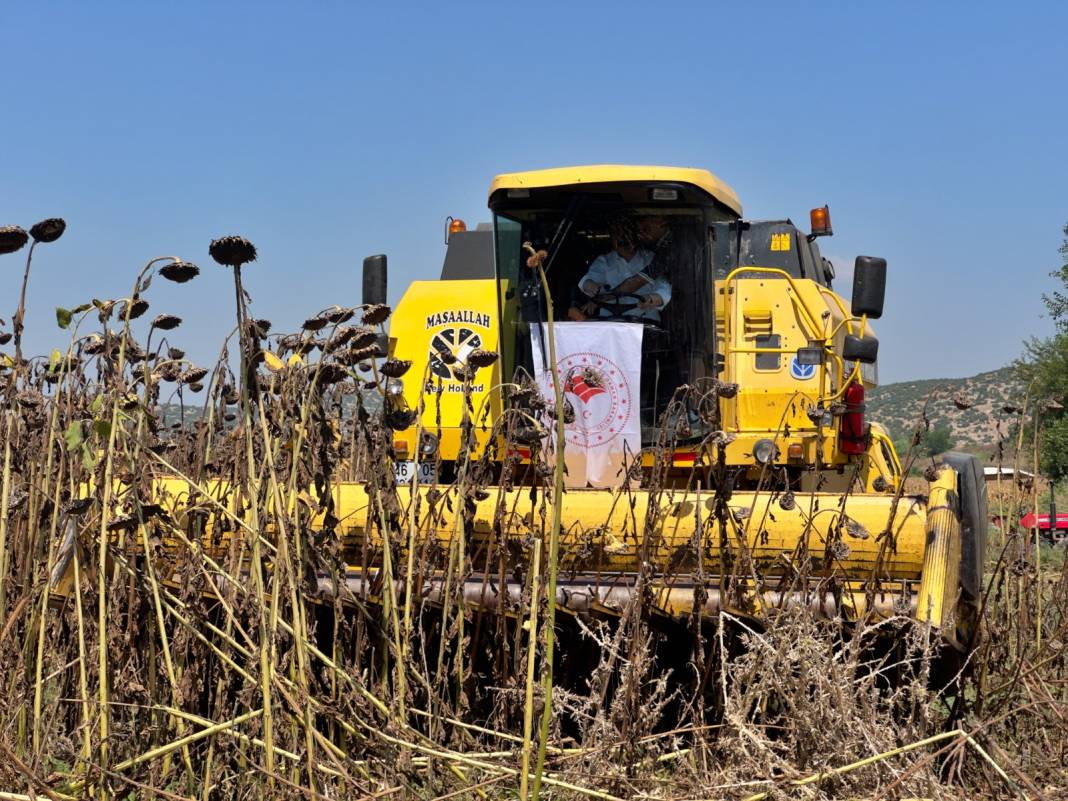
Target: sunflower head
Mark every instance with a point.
(166, 322)
(12, 238)
(232, 251)
(180, 271)
(48, 230)
(376, 313)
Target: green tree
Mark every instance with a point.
(1044, 369)
(938, 440)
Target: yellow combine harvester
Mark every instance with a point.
(759, 481)
(752, 479)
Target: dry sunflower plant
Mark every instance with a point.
(185, 613)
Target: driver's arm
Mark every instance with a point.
(633, 284)
(661, 291)
(595, 279)
(591, 288)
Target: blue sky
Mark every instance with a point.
(328, 131)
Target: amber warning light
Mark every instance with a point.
(455, 226)
(821, 221)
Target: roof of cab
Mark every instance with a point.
(611, 173)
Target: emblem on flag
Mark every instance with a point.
(599, 369)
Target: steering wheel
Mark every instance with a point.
(609, 301)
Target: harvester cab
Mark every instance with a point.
(742, 334)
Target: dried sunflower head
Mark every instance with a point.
(363, 336)
(317, 323)
(5, 337)
(180, 271)
(48, 230)
(354, 355)
(137, 308)
(169, 372)
(463, 372)
(339, 315)
(332, 374)
(527, 435)
(726, 390)
(395, 368)
(838, 551)
(259, 328)
(94, 345)
(342, 337)
(232, 251)
(175, 353)
(166, 322)
(400, 419)
(12, 238)
(481, 358)
(376, 313)
(569, 412)
(289, 342)
(855, 529)
(134, 352)
(194, 375)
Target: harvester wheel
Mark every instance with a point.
(974, 521)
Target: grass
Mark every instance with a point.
(162, 651)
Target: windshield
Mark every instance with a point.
(637, 263)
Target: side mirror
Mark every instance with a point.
(860, 349)
(869, 286)
(374, 279)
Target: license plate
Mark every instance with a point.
(404, 471)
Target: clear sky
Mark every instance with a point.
(324, 132)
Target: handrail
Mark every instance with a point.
(893, 463)
(847, 314)
(731, 276)
(796, 298)
(816, 331)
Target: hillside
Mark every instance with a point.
(899, 406)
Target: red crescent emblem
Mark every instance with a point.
(577, 386)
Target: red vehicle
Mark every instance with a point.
(1057, 534)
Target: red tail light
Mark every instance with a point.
(852, 438)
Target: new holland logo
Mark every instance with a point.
(802, 372)
(456, 343)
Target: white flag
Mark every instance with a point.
(599, 369)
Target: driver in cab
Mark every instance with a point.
(617, 283)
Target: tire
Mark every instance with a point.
(974, 519)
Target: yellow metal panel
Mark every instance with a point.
(610, 173)
(460, 316)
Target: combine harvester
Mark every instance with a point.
(718, 451)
